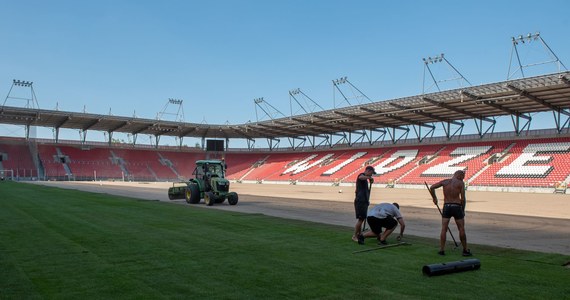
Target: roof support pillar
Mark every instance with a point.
(479, 125)
(517, 123)
(361, 135)
(82, 135)
(56, 131)
(157, 140)
(447, 128)
(273, 143)
(294, 144)
(250, 144)
(382, 136)
(393, 134)
(418, 131)
(27, 132)
(558, 119)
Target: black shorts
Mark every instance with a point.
(361, 209)
(377, 224)
(453, 210)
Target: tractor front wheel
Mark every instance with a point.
(193, 194)
(209, 198)
(233, 198)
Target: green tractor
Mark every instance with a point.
(209, 184)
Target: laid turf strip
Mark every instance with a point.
(67, 244)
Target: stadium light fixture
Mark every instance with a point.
(341, 80)
(22, 83)
(175, 101)
(528, 38)
(258, 100)
(433, 60)
(295, 91)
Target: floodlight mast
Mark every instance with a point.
(309, 107)
(357, 93)
(527, 40)
(178, 115)
(271, 112)
(439, 59)
(310, 104)
(268, 109)
(31, 102)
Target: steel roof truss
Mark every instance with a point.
(418, 132)
(343, 138)
(239, 132)
(65, 120)
(557, 120)
(91, 124)
(327, 127)
(123, 124)
(491, 102)
(272, 129)
(364, 119)
(412, 122)
(393, 134)
(517, 123)
(272, 145)
(427, 115)
(457, 110)
(479, 125)
(294, 145)
(447, 128)
(287, 129)
(142, 129)
(527, 95)
(361, 135)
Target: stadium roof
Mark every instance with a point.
(515, 97)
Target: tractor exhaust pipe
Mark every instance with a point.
(451, 267)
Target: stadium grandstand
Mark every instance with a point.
(325, 147)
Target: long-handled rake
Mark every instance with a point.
(448, 229)
(383, 247)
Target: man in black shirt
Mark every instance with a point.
(362, 199)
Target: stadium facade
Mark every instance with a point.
(375, 134)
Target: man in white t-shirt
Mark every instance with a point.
(385, 215)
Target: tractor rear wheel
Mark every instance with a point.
(233, 198)
(192, 194)
(209, 198)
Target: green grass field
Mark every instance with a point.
(67, 244)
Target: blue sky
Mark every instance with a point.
(132, 56)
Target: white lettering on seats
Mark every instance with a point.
(520, 166)
(449, 167)
(406, 155)
(303, 165)
(344, 163)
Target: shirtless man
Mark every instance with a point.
(453, 206)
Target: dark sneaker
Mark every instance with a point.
(382, 243)
(467, 253)
(361, 239)
(442, 253)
